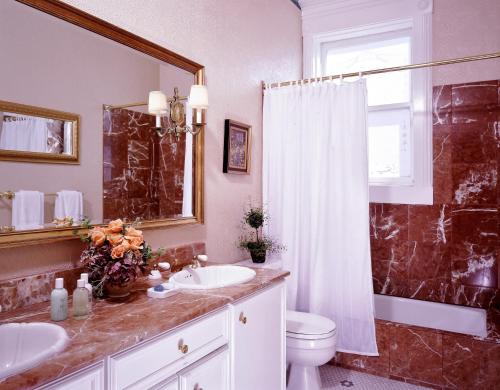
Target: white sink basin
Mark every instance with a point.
(25, 345)
(212, 277)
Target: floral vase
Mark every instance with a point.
(118, 291)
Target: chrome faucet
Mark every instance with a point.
(198, 262)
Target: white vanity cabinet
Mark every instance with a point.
(239, 347)
(258, 340)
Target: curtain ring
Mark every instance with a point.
(331, 77)
(360, 74)
(341, 78)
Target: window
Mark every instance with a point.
(399, 127)
(389, 98)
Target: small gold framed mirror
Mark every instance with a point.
(36, 134)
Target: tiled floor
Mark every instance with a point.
(340, 378)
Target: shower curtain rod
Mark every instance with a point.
(107, 107)
(385, 70)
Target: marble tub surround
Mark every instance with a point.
(448, 252)
(28, 290)
(430, 358)
(143, 174)
(105, 332)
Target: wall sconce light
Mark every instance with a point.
(197, 100)
(157, 105)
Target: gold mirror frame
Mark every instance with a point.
(89, 22)
(20, 155)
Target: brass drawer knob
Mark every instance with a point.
(243, 319)
(183, 347)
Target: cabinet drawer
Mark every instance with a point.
(166, 355)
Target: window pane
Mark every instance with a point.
(389, 151)
(386, 88)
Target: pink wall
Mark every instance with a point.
(463, 28)
(240, 43)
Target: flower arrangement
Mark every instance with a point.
(254, 240)
(63, 222)
(115, 256)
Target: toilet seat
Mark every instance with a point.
(308, 326)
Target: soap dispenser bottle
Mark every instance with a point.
(59, 302)
(88, 286)
(80, 301)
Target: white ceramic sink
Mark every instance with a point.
(212, 277)
(25, 345)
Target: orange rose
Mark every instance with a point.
(115, 239)
(97, 236)
(132, 232)
(120, 250)
(135, 242)
(115, 226)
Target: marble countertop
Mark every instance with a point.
(115, 326)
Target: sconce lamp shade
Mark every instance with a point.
(198, 97)
(157, 103)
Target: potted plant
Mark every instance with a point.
(116, 254)
(253, 239)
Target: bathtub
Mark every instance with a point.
(433, 315)
(452, 318)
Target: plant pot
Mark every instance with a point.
(258, 256)
(118, 291)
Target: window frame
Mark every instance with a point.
(420, 190)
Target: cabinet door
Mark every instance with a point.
(258, 341)
(211, 373)
(172, 384)
(89, 379)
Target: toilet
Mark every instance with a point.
(311, 341)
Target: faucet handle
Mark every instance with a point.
(202, 258)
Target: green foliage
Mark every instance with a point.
(256, 217)
(252, 238)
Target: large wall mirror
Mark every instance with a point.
(77, 88)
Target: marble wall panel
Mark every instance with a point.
(143, 174)
(431, 358)
(448, 251)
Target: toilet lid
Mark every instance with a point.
(301, 323)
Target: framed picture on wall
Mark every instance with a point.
(237, 143)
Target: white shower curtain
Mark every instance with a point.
(316, 190)
(28, 134)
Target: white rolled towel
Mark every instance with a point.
(69, 204)
(27, 210)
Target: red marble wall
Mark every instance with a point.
(448, 252)
(431, 358)
(143, 174)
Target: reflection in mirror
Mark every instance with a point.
(36, 134)
(146, 176)
(126, 170)
(32, 134)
